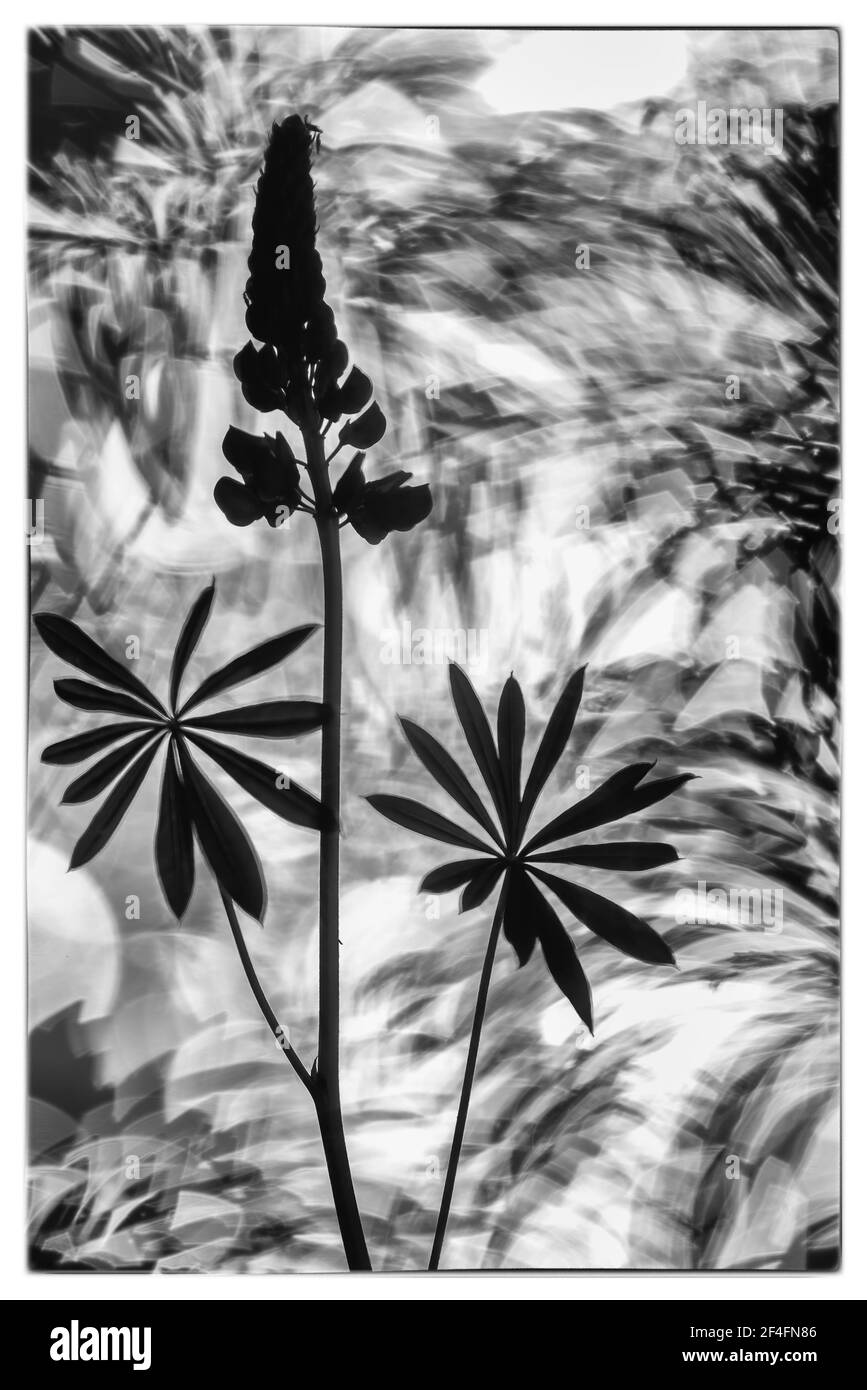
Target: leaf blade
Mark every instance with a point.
(83, 695)
(250, 664)
(103, 772)
(267, 785)
(112, 810)
(443, 768)
(511, 727)
(411, 815)
(592, 809)
(224, 841)
(561, 957)
(482, 885)
(618, 796)
(270, 719)
(518, 926)
(610, 922)
(73, 645)
(477, 732)
(554, 740)
(188, 639)
(627, 856)
(450, 876)
(173, 841)
(82, 746)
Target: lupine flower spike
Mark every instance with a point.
(302, 368)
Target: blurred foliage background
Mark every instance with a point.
(597, 498)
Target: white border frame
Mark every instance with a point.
(16, 1282)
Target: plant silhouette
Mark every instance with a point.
(522, 910)
(302, 370)
(189, 801)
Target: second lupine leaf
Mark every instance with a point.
(528, 916)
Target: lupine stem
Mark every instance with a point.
(287, 313)
(467, 1088)
(326, 1079)
(261, 998)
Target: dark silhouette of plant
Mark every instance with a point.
(522, 911)
(190, 805)
(302, 369)
(511, 212)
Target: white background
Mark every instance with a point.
(661, 51)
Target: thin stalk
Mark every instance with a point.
(261, 998)
(327, 1071)
(467, 1088)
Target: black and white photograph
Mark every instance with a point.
(433, 538)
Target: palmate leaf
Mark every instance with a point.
(188, 640)
(113, 809)
(554, 740)
(267, 784)
(629, 856)
(67, 640)
(83, 695)
(173, 844)
(83, 746)
(511, 726)
(617, 797)
(103, 772)
(251, 663)
(189, 805)
(478, 734)
(610, 922)
(271, 719)
(413, 816)
(224, 841)
(442, 766)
